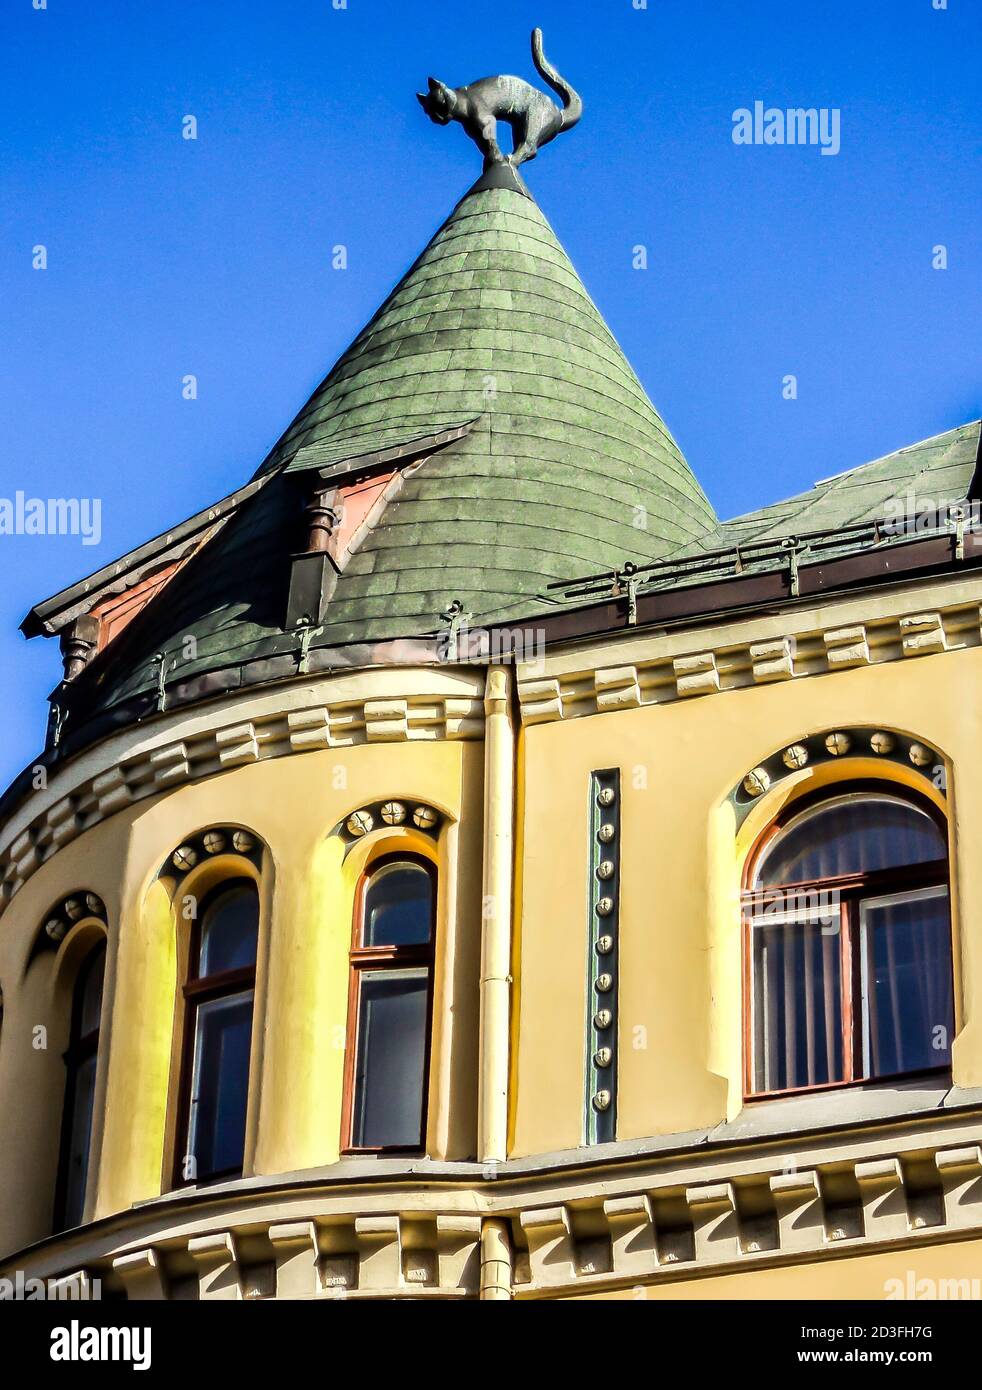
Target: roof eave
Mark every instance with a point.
(46, 619)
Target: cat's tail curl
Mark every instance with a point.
(572, 104)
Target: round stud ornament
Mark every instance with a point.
(882, 743)
(605, 834)
(214, 841)
(794, 757)
(604, 983)
(360, 823)
(838, 744)
(601, 1101)
(184, 858)
(55, 929)
(424, 817)
(74, 908)
(242, 841)
(605, 796)
(393, 813)
(602, 1057)
(603, 1018)
(605, 869)
(756, 781)
(94, 905)
(920, 755)
(605, 907)
(605, 944)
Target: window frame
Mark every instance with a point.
(385, 958)
(854, 889)
(81, 1046)
(198, 990)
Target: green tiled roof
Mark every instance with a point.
(566, 465)
(381, 443)
(493, 321)
(916, 478)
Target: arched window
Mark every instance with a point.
(219, 997)
(849, 944)
(389, 1006)
(80, 1066)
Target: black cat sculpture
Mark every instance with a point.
(534, 118)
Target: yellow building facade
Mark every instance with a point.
(620, 1091)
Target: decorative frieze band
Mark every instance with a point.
(604, 1230)
(375, 1257)
(704, 672)
(726, 1227)
(230, 745)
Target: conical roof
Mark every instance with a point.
(493, 320)
(565, 467)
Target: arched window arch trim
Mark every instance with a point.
(209, 854)
(829, 923)
(73, 917)
(401, 818)
(845, 753)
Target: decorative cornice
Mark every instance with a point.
(618, 1226)
(771, 1217)
(222, 739)
(565, 691)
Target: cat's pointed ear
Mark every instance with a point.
(422, 100)
(435, 84)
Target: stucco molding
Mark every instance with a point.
(343, 712)
(617, 1225)
(638, 669)
(852, 745)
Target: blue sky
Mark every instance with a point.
(212, 257)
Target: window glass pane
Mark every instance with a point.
(220, 1084)
(81, 1096)
(229, 931)
(398, 906)
(852, 835)
(907, 1003)
(90, 996)
(390, 1075)
(797, 1003)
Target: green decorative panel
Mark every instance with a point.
(603, 889)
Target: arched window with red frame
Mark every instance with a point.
(219, 996)
(848, 962)
(390, 1006)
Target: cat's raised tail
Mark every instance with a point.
(572, 104)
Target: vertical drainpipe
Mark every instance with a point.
(499, 800)
(495, 1262)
